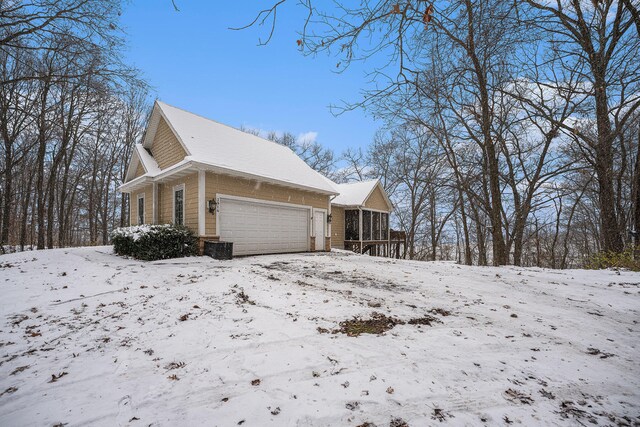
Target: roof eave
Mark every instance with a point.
(134, 184)
(152, 127)
(131, 169)
(363, 207)
(347, 206)
(247, 175)
(197, 165)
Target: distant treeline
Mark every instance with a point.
(512, 127)
(70, 112)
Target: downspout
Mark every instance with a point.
(329, 225)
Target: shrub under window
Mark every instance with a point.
(153, 242)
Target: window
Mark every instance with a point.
(366, 225)
(352, 228)
(376, 226)
(178, 204)
(140, 209)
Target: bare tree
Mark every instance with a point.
(313, 153)
(600, 35)
(63, 82)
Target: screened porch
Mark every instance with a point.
(367, 230)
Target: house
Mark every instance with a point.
(360, 218)
(225, 184)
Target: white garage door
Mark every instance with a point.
(261, 228)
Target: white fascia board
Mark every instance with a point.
(131, 169)
(197, 166)
(152, 128)
(130, 186)
(232, 172)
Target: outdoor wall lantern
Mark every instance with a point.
(329, 218)
(213, 206)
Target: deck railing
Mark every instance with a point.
(392, 248)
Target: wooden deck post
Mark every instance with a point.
(360, 228)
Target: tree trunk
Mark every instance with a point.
(495, 213)
(468, 258)
(25, 212)
(51, 195)
(42, 151)
(124, 210)
(40, 193)
(7, 196)
(7, 201)
(635, 222)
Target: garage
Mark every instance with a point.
(257, 227)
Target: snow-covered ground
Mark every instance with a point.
(89, 338)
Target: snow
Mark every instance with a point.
(218, 145)
(137, 231)
(140, 155)
(149, 163)
(179, 342)
(354, 193)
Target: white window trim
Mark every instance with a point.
(140, 196)
(184, 202)
(364, 208)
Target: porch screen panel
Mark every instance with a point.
(376, 225)
(351, 225)
(384, 219)
(366, 225)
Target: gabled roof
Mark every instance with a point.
(355, 194)
(141, 156)
(229, 150)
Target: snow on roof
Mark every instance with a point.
(148, 162)
(140, 155)
(354, 193)
(331, 184)
(215, 144)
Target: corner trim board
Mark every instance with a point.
(202, 204)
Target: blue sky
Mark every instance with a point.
(195, 62)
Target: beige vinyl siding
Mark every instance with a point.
(139, 171)
(376, 201)
(165, 201)
(233, 186)
(166, 148)
(148, 205)
(337, 227)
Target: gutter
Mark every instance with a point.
(250, 176)
(187, 164)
